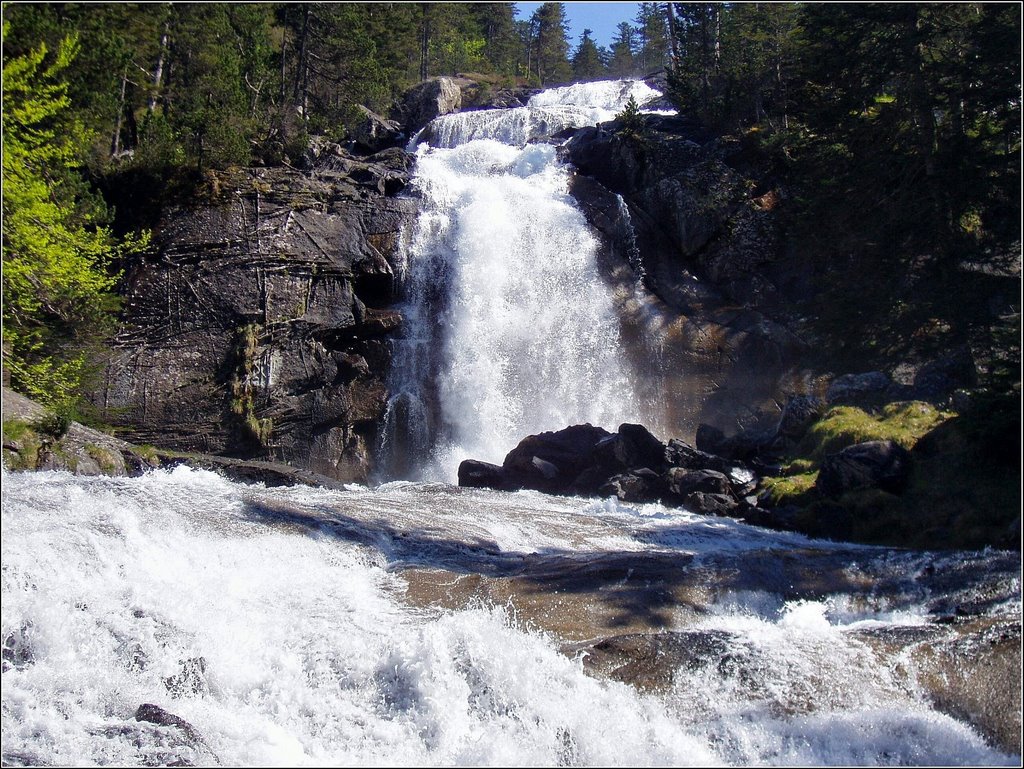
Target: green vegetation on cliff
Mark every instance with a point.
(963, 489)
(58, 259)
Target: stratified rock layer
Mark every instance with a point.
(259, 327)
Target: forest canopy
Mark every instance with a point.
(910, 109)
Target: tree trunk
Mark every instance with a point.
(115, 145)
(158, 73)
(673, 40)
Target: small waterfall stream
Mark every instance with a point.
(511, 330)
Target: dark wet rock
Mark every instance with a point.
(241, 330)
(154, 714)
(707, 503)
(17, 650)
(374, 133)
(874, 464)
(552, 461)
(743, 446)
(681, 454)
(481, 475)
(636, 447)
(640, 486)
(799, 413)
(190, 681)
(682, 482)
(652, 661)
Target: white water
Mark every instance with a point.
(510, 328)
(294, 599)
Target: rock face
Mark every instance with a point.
(424, 102)
(703, 237)
(259, 328)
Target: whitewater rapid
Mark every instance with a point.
(510, 329)
(281, 625)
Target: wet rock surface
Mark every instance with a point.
(259, 328)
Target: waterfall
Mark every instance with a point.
(511, 329)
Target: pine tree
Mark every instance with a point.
(586, 61)
(652, 38)
(622, 62)
(550, 44)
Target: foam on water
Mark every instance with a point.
(285, 644)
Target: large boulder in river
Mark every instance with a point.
(480, 475)
(259, 326)
(874, 464)
(553, 461)
(425, 101)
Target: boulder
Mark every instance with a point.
(552, 461)
(643, 485)
(636, 448)
(424, 102)
(374, 133)
(707, 503)
(799, 413)
(875, 464)
(681, 454)
(480, 475)
(682, 482)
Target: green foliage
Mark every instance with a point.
(549, 45)
(622, 64)
(58, 259)
(903, 423)
(631, 122)
(586, 61)
(52, 424)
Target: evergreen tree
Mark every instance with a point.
(652, 38)
(586, 61)
(550, 44)
(622, 62)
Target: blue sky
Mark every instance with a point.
(601, 18)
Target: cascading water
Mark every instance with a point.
(511, 329)
(421, 624)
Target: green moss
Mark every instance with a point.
(789, 490)
(903, 423)
(243, 401)
(22, 434)
(16, 429)
(146, 451)
(103, 457)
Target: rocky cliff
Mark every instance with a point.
(703, 238)
(259, 327)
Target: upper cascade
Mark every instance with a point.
(548, 113)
